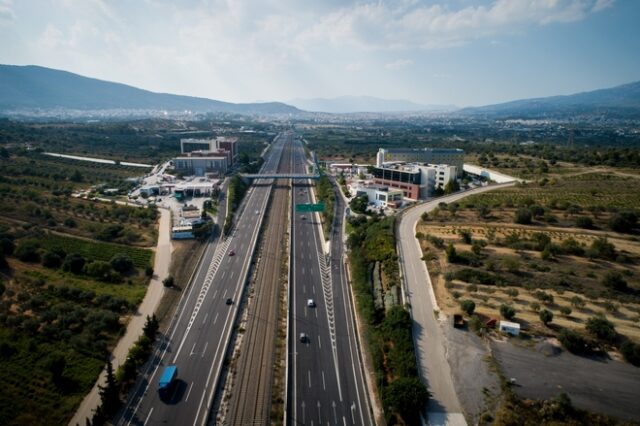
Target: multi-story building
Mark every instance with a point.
(452, 157)
(200, 163)
(216, 146)
(190, 145)
(379, 196)
(416, 181)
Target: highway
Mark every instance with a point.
(434, 371)
(325, 375)
(198, 338)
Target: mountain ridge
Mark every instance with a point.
(35, 87)
(360, 104)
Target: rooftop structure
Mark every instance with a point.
(452, 157)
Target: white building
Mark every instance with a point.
(433, 176)
(454, 157)
(379, 196)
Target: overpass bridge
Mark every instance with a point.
(314, 174)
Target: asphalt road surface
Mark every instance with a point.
(443, 407)
(325, 379)
(198, 338)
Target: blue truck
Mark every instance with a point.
(167, 380)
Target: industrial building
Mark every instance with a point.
(206, 156)
(416, 181)
(451, 157)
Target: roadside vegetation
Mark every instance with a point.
(387, 330)
(327, 196)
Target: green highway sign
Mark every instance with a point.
(310, 207)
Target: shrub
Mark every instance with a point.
(468, 306)
(475, 323)
(601, 327)
(631, 352)
(476, 277)
(623, 221)
(121, 263)
(27, 251)
(74, 263)
(452, 255)
(544, 296)
(148, 271)
(100, 270)
(577, 302)
(465, 236)
(546, 316)
(572, 341)
(614, 281)
(507, 311)
(51, 260)
(406, 396)
(168, 282)
(565, 310)
(523, 216)
(512, 292)
(601, 248)
(535, 306)
(584, 222)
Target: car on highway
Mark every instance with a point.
(303, 218)
(311, 303)
(257, 211)
(229, 301)
(232, 253)
(304, 338)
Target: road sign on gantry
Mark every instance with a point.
(306, 208)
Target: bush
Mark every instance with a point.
(468, 306)
(546, 316)
(27, 251)
(168, 282)
(121, 263)
(74, 263)
(602, 328)
(465, 236)
(507, 311)
(148, 271)
(100, 270)
(584, 222)
(623, 221)
(535, 306)
(577, 302)
(601, 248)
(405, 396)
(614, 281)
(452, 255)
(572, 341)
(523, 216)
(565, 310)
(51, 260)
(631, 352)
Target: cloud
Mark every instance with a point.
(405, 25)
(398, 64)
(354, 66)
(6, 11)
(601, 5)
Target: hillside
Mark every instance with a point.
(352, 104)
(616, 102)
(38, 88)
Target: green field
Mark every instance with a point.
(97, 250)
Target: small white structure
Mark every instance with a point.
(182, 232)
(512, 328)
(377, 195)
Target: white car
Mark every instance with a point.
(311, 303)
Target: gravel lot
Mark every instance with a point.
(598, 385)
(466, 354)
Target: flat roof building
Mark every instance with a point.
(452, 157)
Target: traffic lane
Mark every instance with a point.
(185, 370)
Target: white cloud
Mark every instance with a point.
(354, 66)
(602, 4)
(6, 11)
(398, 64)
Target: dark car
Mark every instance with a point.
(229, 301)
(232, 253)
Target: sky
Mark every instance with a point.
(456, 52)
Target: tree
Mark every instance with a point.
(359, 204)
(51, 260)
(148, 271)
(168, 282)
(577, 302)
(109, 393)
(584, 222)
(465, 235)
(572, 341)
(483, 211)
(631, 352)
(27, 250)
(7, 246)
(523, 216)
(601, 248)
(623, 221)
(121, 263)
(451, 186)
(151, 326)
(57, 363)
(74, 263)
(405, 396)
(452, 255)
(100, 270)
(601, 327)
(614, 281)
(468, 306)
(565, 310)
(424, 216)
(546, 316)
(507, 311)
